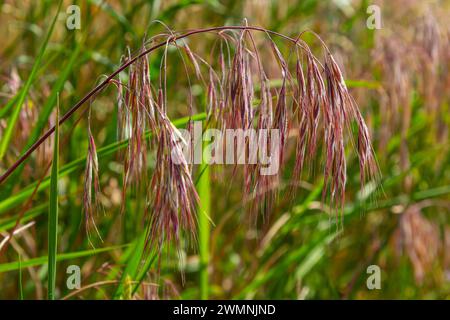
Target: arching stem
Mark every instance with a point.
(124, 66)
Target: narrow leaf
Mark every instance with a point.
(53, 215)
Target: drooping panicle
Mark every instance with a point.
(238, 94)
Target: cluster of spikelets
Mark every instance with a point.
(420, 239)
(414, 56)
(312, 100)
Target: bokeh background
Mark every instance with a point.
(399, 76)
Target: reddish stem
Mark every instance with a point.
(102, 85)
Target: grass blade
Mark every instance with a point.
(23, 195)
(20, 278)
(12, 266)
(132, 266)
(10, 222)
(53, 215)
(204, 193)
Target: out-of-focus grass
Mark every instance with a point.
(7, 134)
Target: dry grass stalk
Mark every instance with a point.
(414, 57)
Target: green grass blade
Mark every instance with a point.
(13, 266)
(20, 278)
(120, 18)
(136, 268)
(132, 266)
(8, 106)
(144, 270)
(5, 110)
(362, 84)
(204, 192)
(53, 215)
(23, 94)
